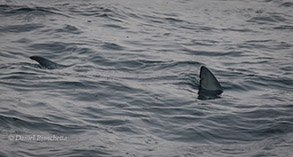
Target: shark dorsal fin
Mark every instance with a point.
(209, 85)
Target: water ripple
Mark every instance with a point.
(131, 84)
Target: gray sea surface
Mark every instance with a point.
(131, 79)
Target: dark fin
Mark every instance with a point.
(209, 85)
(45, 62)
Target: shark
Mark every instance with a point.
(209, 86)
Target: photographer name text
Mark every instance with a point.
(38, 138)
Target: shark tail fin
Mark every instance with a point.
(45, 62)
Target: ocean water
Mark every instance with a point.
(132, 76)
